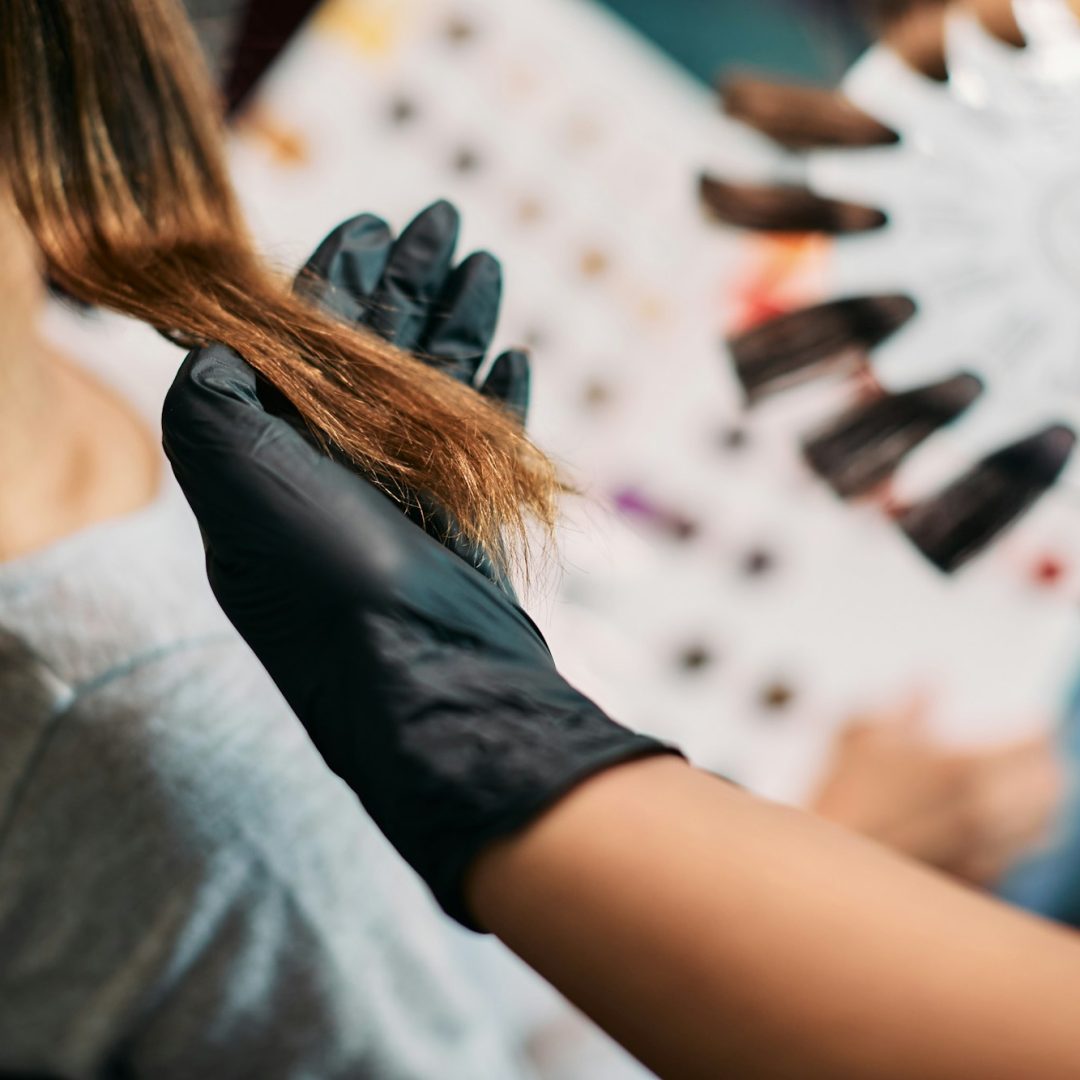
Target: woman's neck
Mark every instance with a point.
(71, 454)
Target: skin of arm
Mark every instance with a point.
(714, 934)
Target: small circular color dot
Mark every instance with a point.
(777, 696)
(466, 160)
(402, 111)
(530, 210)
(1049, 570)
(597, 393)
(684, 529)
(758, 562)
(459, 30)
(594, 263)
(695, 658)
(734, 438)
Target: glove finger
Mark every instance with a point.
(347, 266)
(415, 274)
(508, 383)
(462, 324)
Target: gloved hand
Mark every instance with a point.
(429, 692)
(409, 292)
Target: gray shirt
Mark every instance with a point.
(185, 890)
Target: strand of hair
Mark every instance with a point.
(784, 208)
(999, 17)
(962, 520)
(867, 444)
(917, 35)
(804, 344)
(800, 117)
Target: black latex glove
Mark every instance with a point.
(425, 688)
(409, 292)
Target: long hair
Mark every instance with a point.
(112, 144)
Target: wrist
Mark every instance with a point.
(504, 872)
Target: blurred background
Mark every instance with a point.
(810, 38)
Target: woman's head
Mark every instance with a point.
(112, 145)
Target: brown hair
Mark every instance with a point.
(861, 449)
(959, 521)
(113, 149)
(799, 345)
(783, 208)
(800, 117)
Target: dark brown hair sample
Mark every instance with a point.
(918, 36)
(960, 521)
(784, 208)
(800, 117)
(866, 445)
(797, 346)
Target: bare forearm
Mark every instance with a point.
(716, 935)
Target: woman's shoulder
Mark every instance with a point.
(189, 740)
(172, 831)
(180, 785)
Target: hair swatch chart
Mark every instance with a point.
(709, 587)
